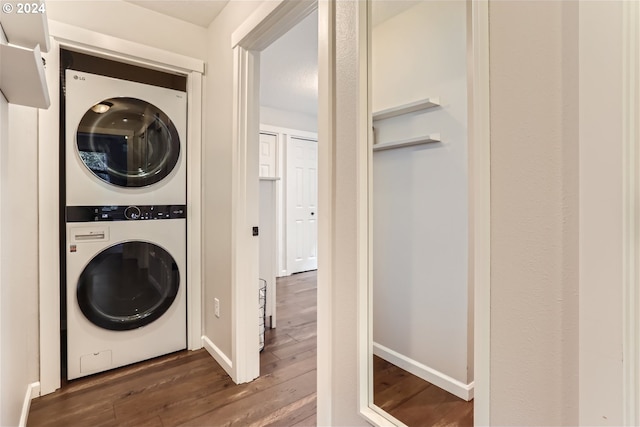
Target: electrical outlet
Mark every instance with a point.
(216, 307)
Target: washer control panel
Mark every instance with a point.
(125, 213)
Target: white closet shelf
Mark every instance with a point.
(22, 79)
(26, 24)
(420, 140)
(423, 104)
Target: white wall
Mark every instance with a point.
(131, 22)
(217, 169)
(420, 194)
(289, 78)
(534, 293)
(19, 355)
(288, 119)
(289, 71)
(19, 261)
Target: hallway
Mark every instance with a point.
(190, 389)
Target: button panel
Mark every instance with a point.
(125, 213)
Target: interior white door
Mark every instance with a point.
(302, 201)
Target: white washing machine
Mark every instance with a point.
(126, 285)
(124, 142)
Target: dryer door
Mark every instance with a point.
(127, 142)
(128, 285)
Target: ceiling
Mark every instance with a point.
(288, 67)
(203, 12)
(198, 12)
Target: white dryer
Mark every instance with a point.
(124, 142)
(126, 285)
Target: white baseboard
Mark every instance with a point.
(445, 382)
(33, 391)
(218, 355)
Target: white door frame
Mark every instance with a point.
(81, 40)
(631, 213)
(609, 215)
(270, 21)
(480, 164)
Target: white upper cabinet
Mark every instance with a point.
(22, 78)
(25, 24)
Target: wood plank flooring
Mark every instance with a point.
(190, 389)
(416, 402)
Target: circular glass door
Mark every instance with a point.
(128, 285)
(128, 142)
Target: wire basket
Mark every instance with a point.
(262, 311)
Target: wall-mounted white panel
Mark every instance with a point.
(22, 79)
(25, 24)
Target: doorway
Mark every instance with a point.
(260, 31)
(288, 174)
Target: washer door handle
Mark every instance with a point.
(92, 236)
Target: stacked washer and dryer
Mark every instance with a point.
(125, 222)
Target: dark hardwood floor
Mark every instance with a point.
(416, 402)
(190, 389)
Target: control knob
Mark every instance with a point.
(132, 212)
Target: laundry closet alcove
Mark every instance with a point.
(65, 36)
